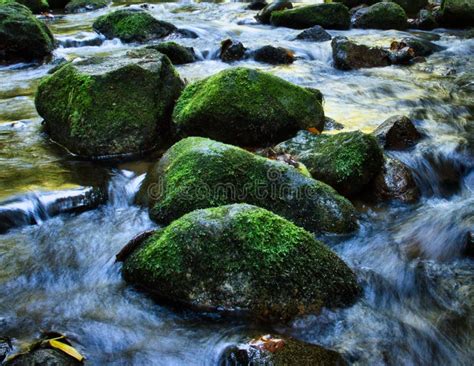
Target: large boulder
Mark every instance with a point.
(132, 25)
(247, 107)
(329, 16)
(384, 15)
(348, 55)
(199, 173)
(110, 106)
(397, 133)
(81, 6)
(22, 36)
(347, 161)
(178, 54)
(264, 15)
(241, 258)
(36, 6)
(457, 13)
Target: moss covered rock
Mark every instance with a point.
(132, 25)
(329, 16)
(80, 6)
(241, 258)
(347, 161)
(264, 15)
(384, 15)
(247, 107)
(176, 53)
(457, 13)
(110, 106)
(36, 6)
(199, 173)
(22, 36)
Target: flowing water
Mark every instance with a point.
(417, 309)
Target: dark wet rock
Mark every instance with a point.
(22, 36)
(347, 161)
(274, 55)
(397, 133)
(132, 25)
(426, 20)
(43, 357)
(277, 350)
(198, 173)
(421, 47)
(349, 55)
(314, 34)
(178, 54)
(264, 15)
(36, 6)
(231, 50)
(81, 6)
(247, 107)
(395, 182)
(257, 5)
(411, 7)
(401, 54)
(105, 107)
(5, 347)
(456, 13)
(331, 124)
(58, 4)
(31, 209)
(384, 15)
(469, 246)
(296, 274)
(186, 33)
(329, 16)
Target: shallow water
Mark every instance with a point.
(417, 307)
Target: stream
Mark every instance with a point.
(58, 271)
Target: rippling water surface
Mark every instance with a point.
(418, 298)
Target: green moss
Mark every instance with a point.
(176, 53)
(246, 107)
(347, 161)
(94, 112)
(36, 6)
(259, 262)
(384, 15)
(199, 173)
(77, 6)
(331, 16)
(132, 26)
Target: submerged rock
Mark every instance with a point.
(231, 50)
(347, 161)
(261, 264)
(264, 15)
(330, 16)
(199, 173)
(456, 13)
(274, 55)
(384, 15)
(397, 133)
(110, 106)
(81, 6)
(278, 350)
(132, 25)
(178, 54)
(247, 107)
(314, 34)
(22, 36)
(349, 55)
(36, 6)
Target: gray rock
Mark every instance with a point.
(314, 34)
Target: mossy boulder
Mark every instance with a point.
(384, 15)
(81, 6)
(110, 106)
(199, 173)
(329, 16)
(264, 15)
(347, 161)
(132, 25)
(247, 107)
(241, 258)
(36, 6)
(176, 53)
(457, 13)
(23, 37)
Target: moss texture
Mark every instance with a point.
(36, 6)
(347, 161)
(199, 173)
(79, 6)
(246, 107)
(260, 263)
(330, 16)
(132, 25)
(457, 13)
(109, 106)
(385, 15)
(22, 36)
(176, 53)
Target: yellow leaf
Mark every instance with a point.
(71, 351)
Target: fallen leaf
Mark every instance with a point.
(63, 347)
